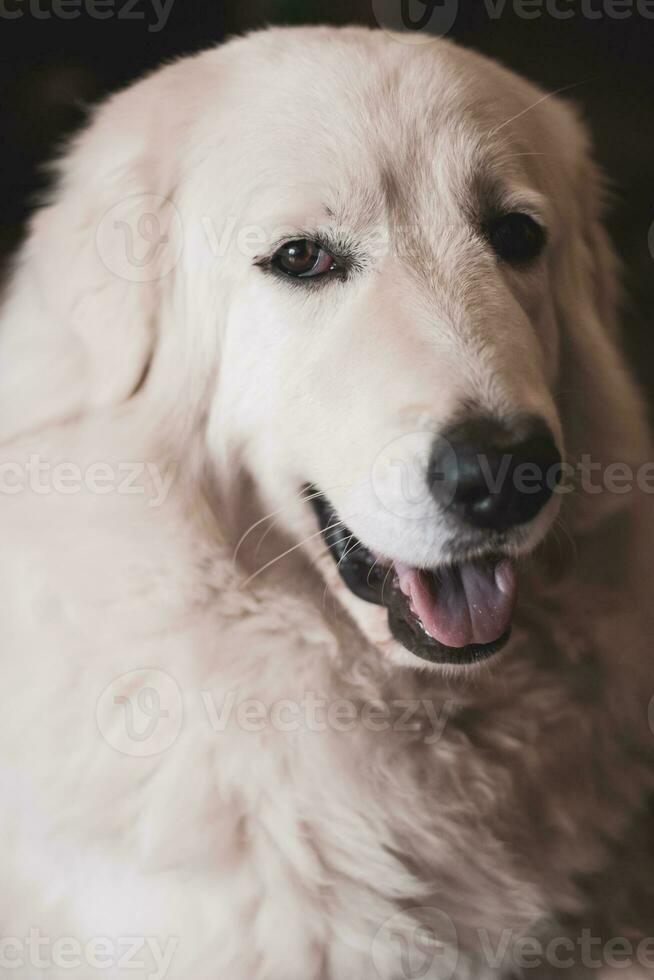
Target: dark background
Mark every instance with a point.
(52, 69)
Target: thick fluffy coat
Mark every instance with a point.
(502, 801)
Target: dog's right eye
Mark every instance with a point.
(516, 237)
(303, 259)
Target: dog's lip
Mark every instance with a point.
(427, 607)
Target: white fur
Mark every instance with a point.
(515, 797)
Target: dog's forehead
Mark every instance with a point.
(388, 133)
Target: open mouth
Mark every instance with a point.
(459, 613)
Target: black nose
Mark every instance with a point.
(493, 475)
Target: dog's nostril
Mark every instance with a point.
(491, 476)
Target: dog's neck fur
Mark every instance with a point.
(573, 764)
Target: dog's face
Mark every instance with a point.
(392, 342)
(402, 322)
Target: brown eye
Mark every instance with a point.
(515, 237)
(303, 259)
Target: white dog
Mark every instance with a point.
(323, 287)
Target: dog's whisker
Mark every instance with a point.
(543, 98)
(301, 498)
(388, 572)
(275, 518)
(371, 569)
(348, 550)
(560, 524)
(511, 156)
(284, 554)
(249, 530)
(267, 517)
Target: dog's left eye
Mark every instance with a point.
(516, 237)
(303, 259)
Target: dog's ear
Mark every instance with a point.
(78, 321)
(603, 417)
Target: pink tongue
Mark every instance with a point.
(462, 604)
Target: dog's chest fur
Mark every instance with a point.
(503, 804)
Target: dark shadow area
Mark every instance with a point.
(53, 68)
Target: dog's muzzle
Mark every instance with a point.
(489, 480)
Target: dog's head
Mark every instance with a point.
(393, 302)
